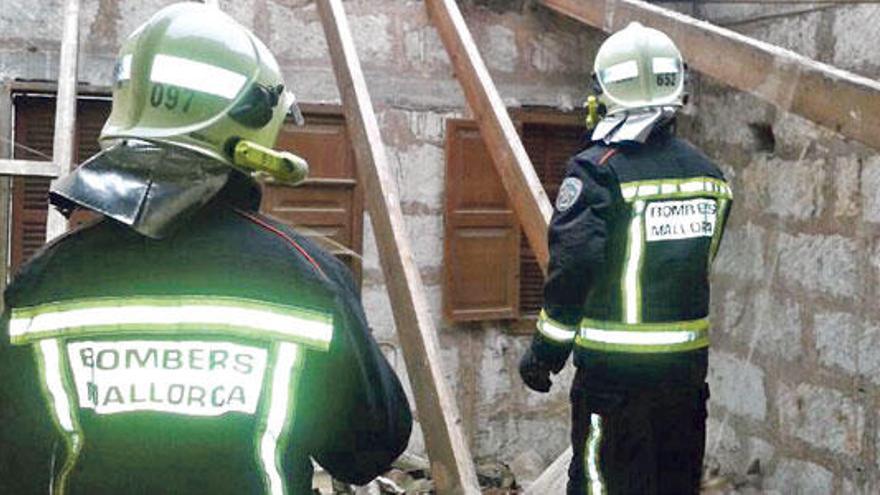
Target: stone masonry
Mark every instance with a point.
(796, 356)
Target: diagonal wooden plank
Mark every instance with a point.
(517, 173)
(836, 99)
(451, 462)
(65, 109)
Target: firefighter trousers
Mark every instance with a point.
(636, 440)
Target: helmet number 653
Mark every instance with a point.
(665, 79)
(171, 97)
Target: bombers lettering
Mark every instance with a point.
(678, 208)
(169, 359)
(671, 220)
(182, 377)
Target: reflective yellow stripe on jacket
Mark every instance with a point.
(674, 336)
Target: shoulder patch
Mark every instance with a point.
(569, 191)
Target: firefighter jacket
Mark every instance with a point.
(218, 360)
(633, 235)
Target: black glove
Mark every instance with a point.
(534, 372)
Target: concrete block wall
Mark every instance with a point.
(794, 367)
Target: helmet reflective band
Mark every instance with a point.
(639, 67)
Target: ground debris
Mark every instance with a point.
(411, 476)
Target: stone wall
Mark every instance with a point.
(795, 366)
(796, 358)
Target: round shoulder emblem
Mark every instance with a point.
(569, 192)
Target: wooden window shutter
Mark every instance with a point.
(35, 130)
(549, 146)
(329, 206)
(482, 235)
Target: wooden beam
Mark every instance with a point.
(554, 479)
(517, 173)
(65, 109)
(28, 168)
(451, 463)
(5, 182)
(836, 99)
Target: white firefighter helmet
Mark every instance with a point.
(639, 67)
(639, 76)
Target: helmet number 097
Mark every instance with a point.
(171, 97)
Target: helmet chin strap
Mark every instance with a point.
(633, 125)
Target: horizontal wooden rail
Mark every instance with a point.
(836, 99)
(28, 167)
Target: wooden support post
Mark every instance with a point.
(65, 109)
(517, 173)
(451, 462)
(5, 182)
(839, 100)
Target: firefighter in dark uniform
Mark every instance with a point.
(184, 343)
(637, 223)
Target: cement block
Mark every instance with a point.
(815, 262)
(795, 189)
(242, 11)
(759, 451)
(868, 360)
(837, 339)
(555, 52)
(854, 45)
(795, 33)
(797, 477)
(423, 48)
(777, 323)
(20, 19)
(497, 45)
(737, 386)
(426, 240)
(741, 253)
(787, 188)
(871, 190)
(723, 447)
(846, 186)
(296, 34)
(823, 417)
(372, 38)
(495, 375)
(133, 13)
(27, 65)
(421, 174)
(429, 126)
